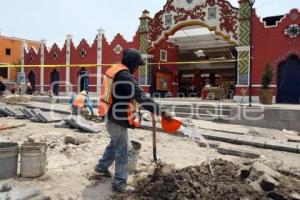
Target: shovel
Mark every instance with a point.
(11, 127)
(159, 165)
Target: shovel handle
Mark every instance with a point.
(11, 127)
(154, 137)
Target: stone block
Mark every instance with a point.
(236, 152)
(5, 113)
(281, 146)
(289, 115)
(27, 112)
(49, 117)
(210, 144)
(259, 169)
(293, 125)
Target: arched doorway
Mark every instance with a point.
(288, 81)
(190, 35)
(55, 78)
(32, 79)
(83, 80)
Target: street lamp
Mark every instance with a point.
(251, 46)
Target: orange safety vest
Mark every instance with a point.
(106, 97)
(79, 101)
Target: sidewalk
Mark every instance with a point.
(179, 101)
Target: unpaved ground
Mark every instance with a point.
(70, 166)
(199, 182)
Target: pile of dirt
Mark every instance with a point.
(198, 183)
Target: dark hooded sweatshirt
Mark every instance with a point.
(126, 87)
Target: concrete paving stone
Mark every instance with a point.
(71, 122)
(294, 126)
(213, 145)
(36, 113)
(5, 112)
(49, 117)
(271, 114)
(11, 111)
(17, 113)
(281, 146)
(34, 119)
(27, 112)
(289, 115)
(254, 141)
(82, 124)
(237, 152)
(62, 124)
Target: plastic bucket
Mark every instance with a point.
(33, 159)
(9, 152)
(133, 155)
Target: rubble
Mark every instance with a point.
(14, 192)
(82, 124)
(76, 140)
(198, 183)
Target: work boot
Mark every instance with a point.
(104, 172)
(124, 189)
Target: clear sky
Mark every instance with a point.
(54, 19)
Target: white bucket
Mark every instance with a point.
(133, 155)
(9, 152)
(33, 159)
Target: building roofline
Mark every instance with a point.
(19, 39)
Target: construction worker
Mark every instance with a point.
(80, 103)
(2, 86)
(120, 95)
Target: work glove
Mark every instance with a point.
(167, 115)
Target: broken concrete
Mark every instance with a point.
(76, 140)
(268, 183)
(82, 124)
(13, 192)
(295, 196)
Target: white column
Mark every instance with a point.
(42, 73)
(68, 62)
(100, 33)
(23, 46)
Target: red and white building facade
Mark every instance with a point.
(185, 44)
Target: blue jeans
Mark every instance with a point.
(117, 151)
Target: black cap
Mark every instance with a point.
(132, 59)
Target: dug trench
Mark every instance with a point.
(226, 183)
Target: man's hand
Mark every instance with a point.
(167, 115)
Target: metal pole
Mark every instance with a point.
(251, 45)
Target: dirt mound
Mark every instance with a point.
(198, 183)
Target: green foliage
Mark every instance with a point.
(267, 76)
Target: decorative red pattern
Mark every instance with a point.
(229, 18)
(196, 13)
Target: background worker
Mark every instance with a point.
(2, 86)
(80, 103)
(118, 107)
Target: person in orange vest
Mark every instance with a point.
(119, 106)
(80, 103)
